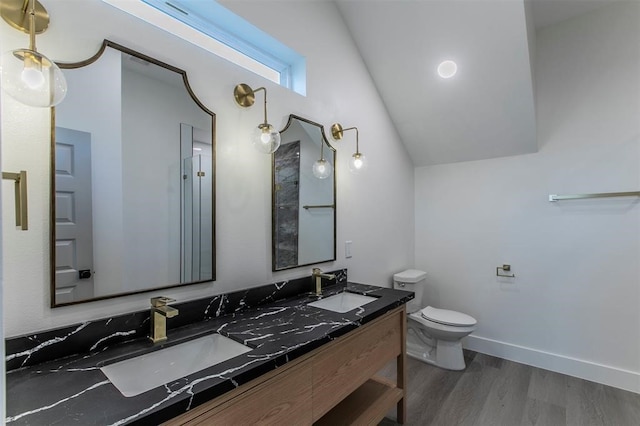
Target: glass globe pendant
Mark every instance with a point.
(27, 75)
(357, 163)
(32, 79)
(322, 168)
(266, 138)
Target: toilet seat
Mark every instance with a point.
(447, 317)
(423, 322)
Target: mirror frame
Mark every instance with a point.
(273, 197)
(52, 172)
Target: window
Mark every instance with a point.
(220, 31)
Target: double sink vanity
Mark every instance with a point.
(276, 354)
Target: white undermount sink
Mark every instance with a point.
(342, 302)
(134, 376)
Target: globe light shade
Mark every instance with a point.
(32, 79)
(266, 139)
(322, 169)
(357, 163)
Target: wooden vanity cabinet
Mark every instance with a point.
(334, 384)
(284, 399)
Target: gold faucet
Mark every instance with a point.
(318, 275)
(160, 311)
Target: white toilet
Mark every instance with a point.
(433, 335)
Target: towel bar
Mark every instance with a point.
(554, 197)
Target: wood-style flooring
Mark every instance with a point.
(494, 392)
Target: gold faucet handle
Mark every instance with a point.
(317, 273)
(157, 302)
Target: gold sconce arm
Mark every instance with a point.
(245, 97)
(266, 139)
(20, 196)
(337, 132)
(25, 15)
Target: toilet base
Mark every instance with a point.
(441, 353)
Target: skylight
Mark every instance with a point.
(211, 26)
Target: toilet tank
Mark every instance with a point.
(411, 280)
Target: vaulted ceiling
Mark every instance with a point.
(487, 109)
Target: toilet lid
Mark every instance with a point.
(446, 317)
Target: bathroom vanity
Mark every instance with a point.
(305, 364)
(334, 384)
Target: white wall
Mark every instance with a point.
(573, 306)
(375, 210)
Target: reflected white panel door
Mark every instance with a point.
(74, 224)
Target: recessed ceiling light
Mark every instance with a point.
(447, 69)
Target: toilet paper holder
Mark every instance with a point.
(504, 268)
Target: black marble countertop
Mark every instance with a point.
(73, 389)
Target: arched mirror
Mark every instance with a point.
(133, 180)
(304, 196)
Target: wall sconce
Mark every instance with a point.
(27, 75)
(266, 138)
(322, 168)
(358, 162)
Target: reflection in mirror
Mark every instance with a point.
(304, 206)
(133, 182)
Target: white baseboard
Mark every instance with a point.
(599, 373)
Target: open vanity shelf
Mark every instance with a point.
(366, 405)
(334, 384)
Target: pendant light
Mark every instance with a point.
(27, 75)
(266, 138)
